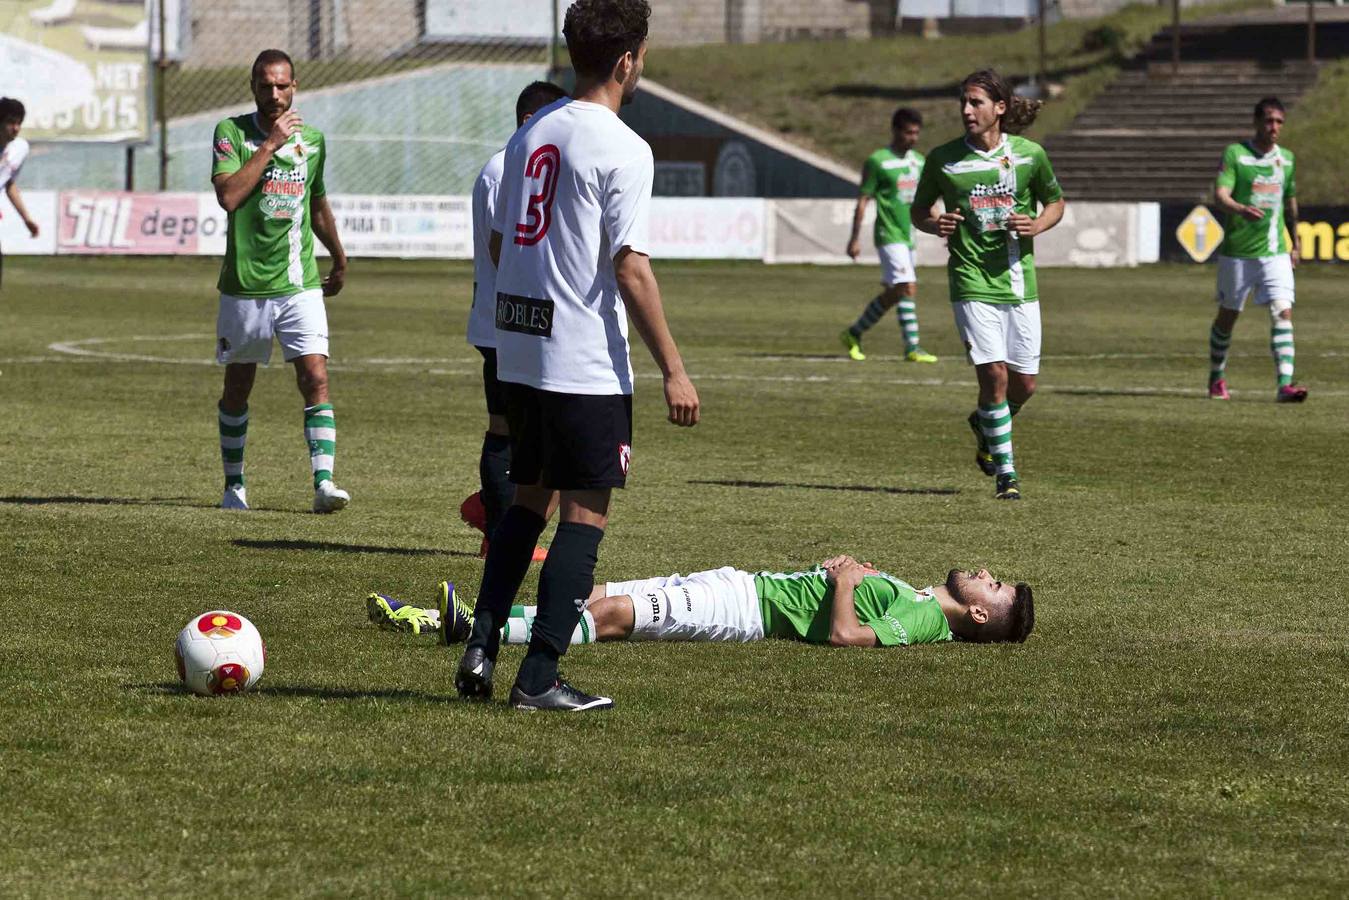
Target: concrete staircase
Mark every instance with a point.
(1155, 134)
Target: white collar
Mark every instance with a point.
(997, 152)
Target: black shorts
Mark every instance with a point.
(494, 390)
(569, 442)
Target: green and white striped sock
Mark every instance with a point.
(1281, 347)
(996, 424)
(908, 323)
(233, 434)
(870, 316)
(320, 432)
(520, 626)
(1218, 342)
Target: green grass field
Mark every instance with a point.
(1175, 726)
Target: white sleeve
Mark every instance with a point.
(496, 210)
(627, 205)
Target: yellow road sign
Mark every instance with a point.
(1200, 233)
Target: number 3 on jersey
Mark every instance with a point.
(542, 168)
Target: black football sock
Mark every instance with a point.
(565, 583)
(494, 465)
(508, 559)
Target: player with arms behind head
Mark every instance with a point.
(890, 175)
(1256, 188)
(268, 175)
(570, 243)
(991, 181)
(13, 152)
(484, 509)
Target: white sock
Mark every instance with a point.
(517, 629)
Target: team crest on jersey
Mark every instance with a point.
(624, 457)
(296, 151)
(1006, 162)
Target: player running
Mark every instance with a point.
(1255, 186)
(483, 509)
(13, 152)
(570, 242)
(268, 175)
(890, 175)
(840, 602)
(990, 182)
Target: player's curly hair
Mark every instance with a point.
(1021, 112)
(1021, 615)
(270, 57)
(599, 32)
(11, 110)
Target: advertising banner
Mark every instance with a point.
(82, 69)
(473, 20)
(14, 237)
(92, 222)
(409, 226)
(724, 228)
(1192, 233)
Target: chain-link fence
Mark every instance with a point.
(412, 94)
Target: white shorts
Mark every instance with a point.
(720, 605)
(1269, 278)
(1001, 332)
(245, 325)
(896, 264)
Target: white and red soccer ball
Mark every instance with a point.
(220, 652)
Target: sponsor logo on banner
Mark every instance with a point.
(115, 222)
(708, 228)
(411, 226)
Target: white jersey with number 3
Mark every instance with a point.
(575, 190)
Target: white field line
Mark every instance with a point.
(89, 350)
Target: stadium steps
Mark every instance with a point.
(1158, 134)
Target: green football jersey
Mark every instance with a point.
(1264, 181)
(269, 244)
(797, 605)
(987, 262)
(891, 180)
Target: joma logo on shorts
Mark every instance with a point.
(655, 606)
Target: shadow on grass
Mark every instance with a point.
(861, 488)
(301, 690)
(71, 499)
(333, 547)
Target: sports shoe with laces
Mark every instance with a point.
(473, 680)
(560, 697)
(852, 344)
(456, 616)
(474, 512)
(329, 498)
(1217, 390)
(919, 355)
(1008, 488)
(235, 497)
(386, 612)
(982, 458)
(1291, 393)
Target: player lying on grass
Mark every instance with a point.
(841, 602)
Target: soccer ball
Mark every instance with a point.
(220, 652)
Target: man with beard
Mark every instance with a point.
(267, 168)
(571, 248)
(840, 602)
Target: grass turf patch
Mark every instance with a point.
(1173, 726)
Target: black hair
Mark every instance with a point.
(270, 57)
(1021, 615)
(599, 32)
(11, 110)
(1020, 111)
(1265, 104)
(905, 116)
(535, 96)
